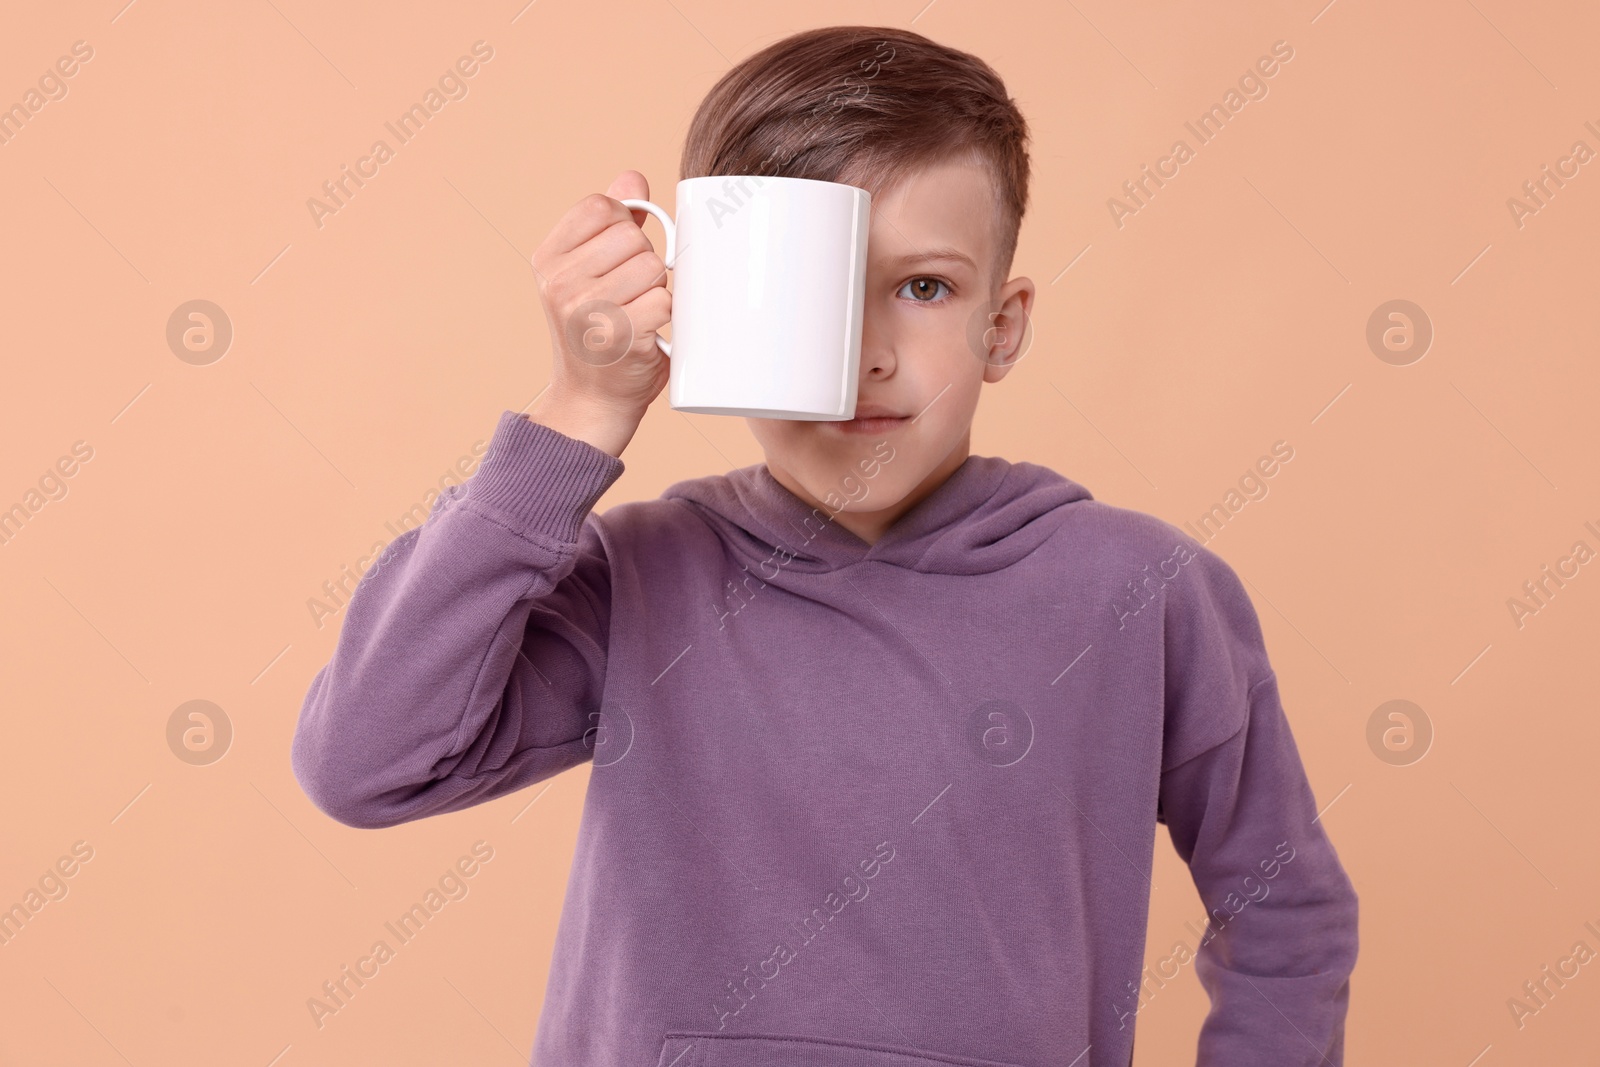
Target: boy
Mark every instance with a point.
(881, 730)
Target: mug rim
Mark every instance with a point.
(773, 177)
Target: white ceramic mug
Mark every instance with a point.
(769, 275)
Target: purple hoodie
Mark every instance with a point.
(888, 805)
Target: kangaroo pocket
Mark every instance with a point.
(711, 1049)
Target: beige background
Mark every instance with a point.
(371, 353)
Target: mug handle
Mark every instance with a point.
(672, 240)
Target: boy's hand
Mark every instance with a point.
(603, 288)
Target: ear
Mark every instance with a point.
(1010, 333)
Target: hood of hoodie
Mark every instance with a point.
(988, 514)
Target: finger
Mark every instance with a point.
(608, 253)
(649, 312)
(638, 275)
(581, 222)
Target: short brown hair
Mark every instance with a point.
(864, 105)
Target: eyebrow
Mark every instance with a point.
(927, 255)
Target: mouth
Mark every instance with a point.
(871, 419)
(875, 424)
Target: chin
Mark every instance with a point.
(878, 491)
(870, 478)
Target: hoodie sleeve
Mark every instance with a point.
(1280, 942)
(472, 657)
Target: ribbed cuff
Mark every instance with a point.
(544, 480)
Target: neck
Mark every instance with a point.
(869, 526)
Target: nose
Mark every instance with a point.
(877, 353)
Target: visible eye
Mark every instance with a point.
(920, 287)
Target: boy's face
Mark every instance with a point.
(925, 352)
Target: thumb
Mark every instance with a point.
(630, 185)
